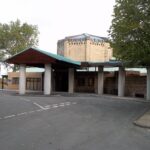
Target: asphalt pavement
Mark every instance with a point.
(71, 123)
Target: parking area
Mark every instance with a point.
(71, 123)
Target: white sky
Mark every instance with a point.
(57, 19)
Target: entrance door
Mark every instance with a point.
(61, 81)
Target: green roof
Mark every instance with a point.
(58, 57)
(55, 56)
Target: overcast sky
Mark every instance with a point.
(59, 18)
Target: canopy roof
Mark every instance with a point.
(103, 64)
(37, 58)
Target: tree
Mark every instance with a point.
(15, 37)
(130, 32)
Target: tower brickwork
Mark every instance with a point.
(85, 47)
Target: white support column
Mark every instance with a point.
(121, 81)
(22, 79)
(71, 80)
(100, 80)
(47, 79)
(52, 80)
(148, 84)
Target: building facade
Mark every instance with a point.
(84, 82)
(67, 75)
(85, 48)
(34, 81)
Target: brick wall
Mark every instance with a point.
(85, 82)
(135, 85)
(85, 50)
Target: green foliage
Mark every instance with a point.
(15, 37)
(130, 32)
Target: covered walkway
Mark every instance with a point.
(64, 68)
(51, 62)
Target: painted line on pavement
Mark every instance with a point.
(68, 103)
(6, 117)
(40, 110)
(61, 105)
(27, 100)
(55, 106)
(38, 105)
(31, 112)
(74, 103)
(47, 107)
(24, 113)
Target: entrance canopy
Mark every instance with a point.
(37, 58)
(102, 64)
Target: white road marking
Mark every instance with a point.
(31, 112)
(61, 105)
(38, 105)
(55, 105)
(40, 110)
(74, 103)
(9, 116)
(47, 107)
(67, 103)
(27, 100)
(24, 113)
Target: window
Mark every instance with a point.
(15, 80)
(33, 83)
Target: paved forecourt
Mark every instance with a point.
(71, 123)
